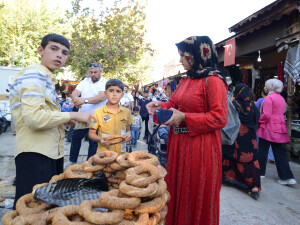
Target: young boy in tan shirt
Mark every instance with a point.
(112, 119)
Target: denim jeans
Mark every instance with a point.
(163, 133)
(271, 155)
(135, 136)
(281, 160)
(77, 137)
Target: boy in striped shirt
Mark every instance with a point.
(39, 120)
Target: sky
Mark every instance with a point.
(171, 21)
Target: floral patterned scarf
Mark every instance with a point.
(202, 56)
(248, 112)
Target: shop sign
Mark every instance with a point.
(229, 56)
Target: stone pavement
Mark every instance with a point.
(277, 205)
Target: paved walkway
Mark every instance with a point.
(277, 205)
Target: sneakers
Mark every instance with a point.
(287, 182)
(68, 163)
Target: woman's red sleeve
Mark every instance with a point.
(216, 117)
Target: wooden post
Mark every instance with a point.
(290, 93)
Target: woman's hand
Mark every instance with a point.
(176, 119)
(152, 106)
(127, 136)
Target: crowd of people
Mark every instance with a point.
(195, 171)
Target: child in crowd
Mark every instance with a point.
(112, 119)
(136, 126)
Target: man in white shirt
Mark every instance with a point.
(88, 96)
(127, 100)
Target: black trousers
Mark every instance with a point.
(281, 160)
(146, 118)
(34, 168)
(77, 137)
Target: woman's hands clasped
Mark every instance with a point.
(176, 119)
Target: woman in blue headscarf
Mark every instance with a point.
(200, 110)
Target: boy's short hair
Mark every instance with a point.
(114, 82)
(55, 38)
(136, 108)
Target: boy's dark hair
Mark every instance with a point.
(114, 82)
(55, 38)
(136, 108)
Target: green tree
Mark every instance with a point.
(115, 38)
(23, 23)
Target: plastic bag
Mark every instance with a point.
(72, 191)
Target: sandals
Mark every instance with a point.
(254, 195)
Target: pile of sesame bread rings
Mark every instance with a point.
(137, 194)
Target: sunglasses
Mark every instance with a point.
(94, 65)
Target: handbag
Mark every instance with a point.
(230, 132)
(163, 115)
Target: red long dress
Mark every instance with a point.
(194, 166)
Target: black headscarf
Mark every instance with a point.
(202, 56)
(248, 112)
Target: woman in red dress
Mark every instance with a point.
(199, 106)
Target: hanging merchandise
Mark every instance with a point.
(57, 86)
(250, 79)
(160, 83)
(280, 72)
(166, 81)
(244, 75)
(292, 64)
(235, 74)
(255, 72)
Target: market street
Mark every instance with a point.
(277, 204)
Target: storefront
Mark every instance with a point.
(262, 47)
(259, 50)
(66, 86)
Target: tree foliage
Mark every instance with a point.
(112, 35)
(115, 38)
(23, 23)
